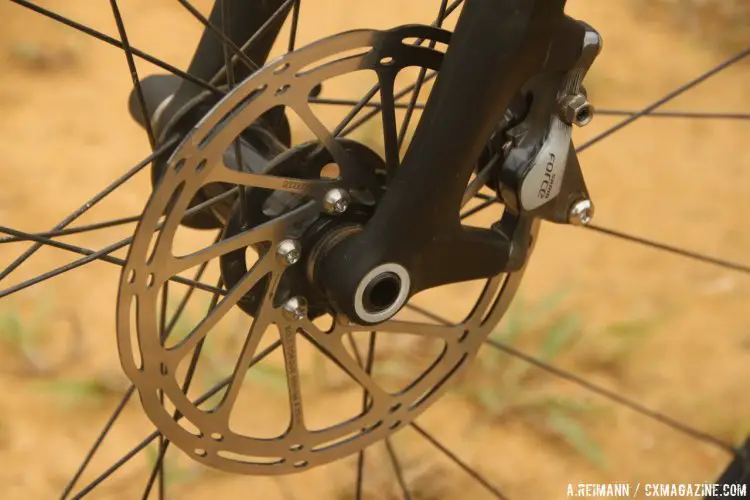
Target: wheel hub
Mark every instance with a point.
(315, 235)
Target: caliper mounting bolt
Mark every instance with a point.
(581, 213)
(576, 110)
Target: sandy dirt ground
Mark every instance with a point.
(66, 135)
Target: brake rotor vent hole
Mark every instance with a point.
(381, 292)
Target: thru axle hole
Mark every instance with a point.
(381, 292)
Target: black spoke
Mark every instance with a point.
(98, 442)
(122, 461)
(133, 71)
(360, 475)
(454, 458)
(89, 204)
(189, 293)
(428, 314)
(365, 401)
(482, 177)
(158, 468)
(77, 230)
(166, 332)
(472, 190)
(345, 129)
(450, 9)
(397, 469)
(670, 96)
(163, 444)
(225, 40)
(668, 248)
(419, 82)
(376, 109)
(352, 102)
(272, 19)
(695, 115)
(482, 206)
(154, 435)
(294, 27)
(483, 196)
(358, 106)
(229, 70)
(734, 266)
(163, 334)
(102, 254)
(365, 404)
(129, 393)
(112, 41)
(91, 255)
(613, 396)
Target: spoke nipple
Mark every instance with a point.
(581, 213)
(576, 110)
(336, 201)
(295, 309)
(289, 252)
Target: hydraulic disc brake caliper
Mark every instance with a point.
(541, 176)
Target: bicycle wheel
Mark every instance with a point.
(286, 122)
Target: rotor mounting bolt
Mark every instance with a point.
(581, 213)
(576, 110)
(295, 309)
(289, 252)
(336, 201)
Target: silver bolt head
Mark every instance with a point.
(336, 201)
(581, 213)
(576, 110)
(289, 252)
(295, 309)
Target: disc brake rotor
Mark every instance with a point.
(197, 162)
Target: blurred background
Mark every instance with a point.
(667, 332)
